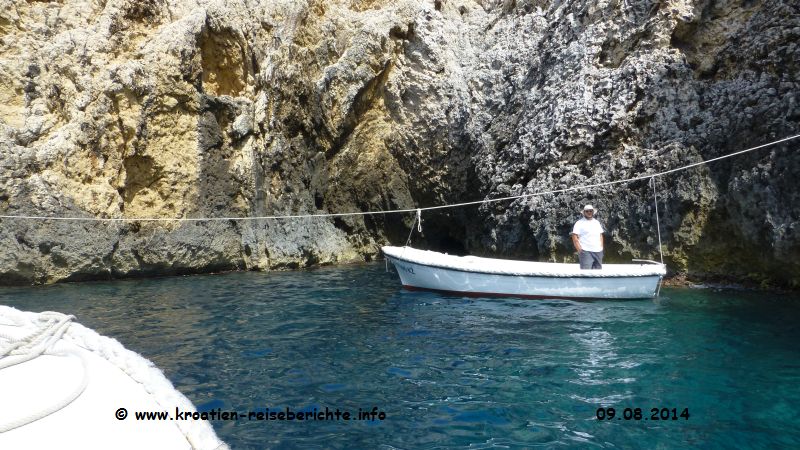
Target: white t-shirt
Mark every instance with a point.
(589, 232)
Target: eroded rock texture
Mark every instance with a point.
(166, 109)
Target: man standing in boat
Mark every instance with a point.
(587, 236)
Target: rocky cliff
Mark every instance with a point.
(198, 109)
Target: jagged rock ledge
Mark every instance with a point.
(183, 108)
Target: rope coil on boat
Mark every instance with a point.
(51, 326)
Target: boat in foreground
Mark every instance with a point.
(488, 277)
(63, 385)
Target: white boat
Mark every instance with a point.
(488, 277)
(63, 385)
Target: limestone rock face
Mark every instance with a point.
(220, 110)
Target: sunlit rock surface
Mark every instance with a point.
(216, 109)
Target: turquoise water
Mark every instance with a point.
(451, 372)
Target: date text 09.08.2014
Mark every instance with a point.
(637, 414)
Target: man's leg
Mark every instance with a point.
(585, 259)
(597, 260)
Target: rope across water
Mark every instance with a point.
(398, 211)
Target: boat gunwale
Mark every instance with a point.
(524, 274)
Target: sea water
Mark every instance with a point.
(433, 371)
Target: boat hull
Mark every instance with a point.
(416, 276)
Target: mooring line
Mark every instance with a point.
(399, 211)
(658, 222)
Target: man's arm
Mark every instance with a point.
(576, 242)
(602, 241)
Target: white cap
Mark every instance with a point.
(588, 207)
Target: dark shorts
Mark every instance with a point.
(590, 260)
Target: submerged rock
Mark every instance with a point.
(217, 109)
